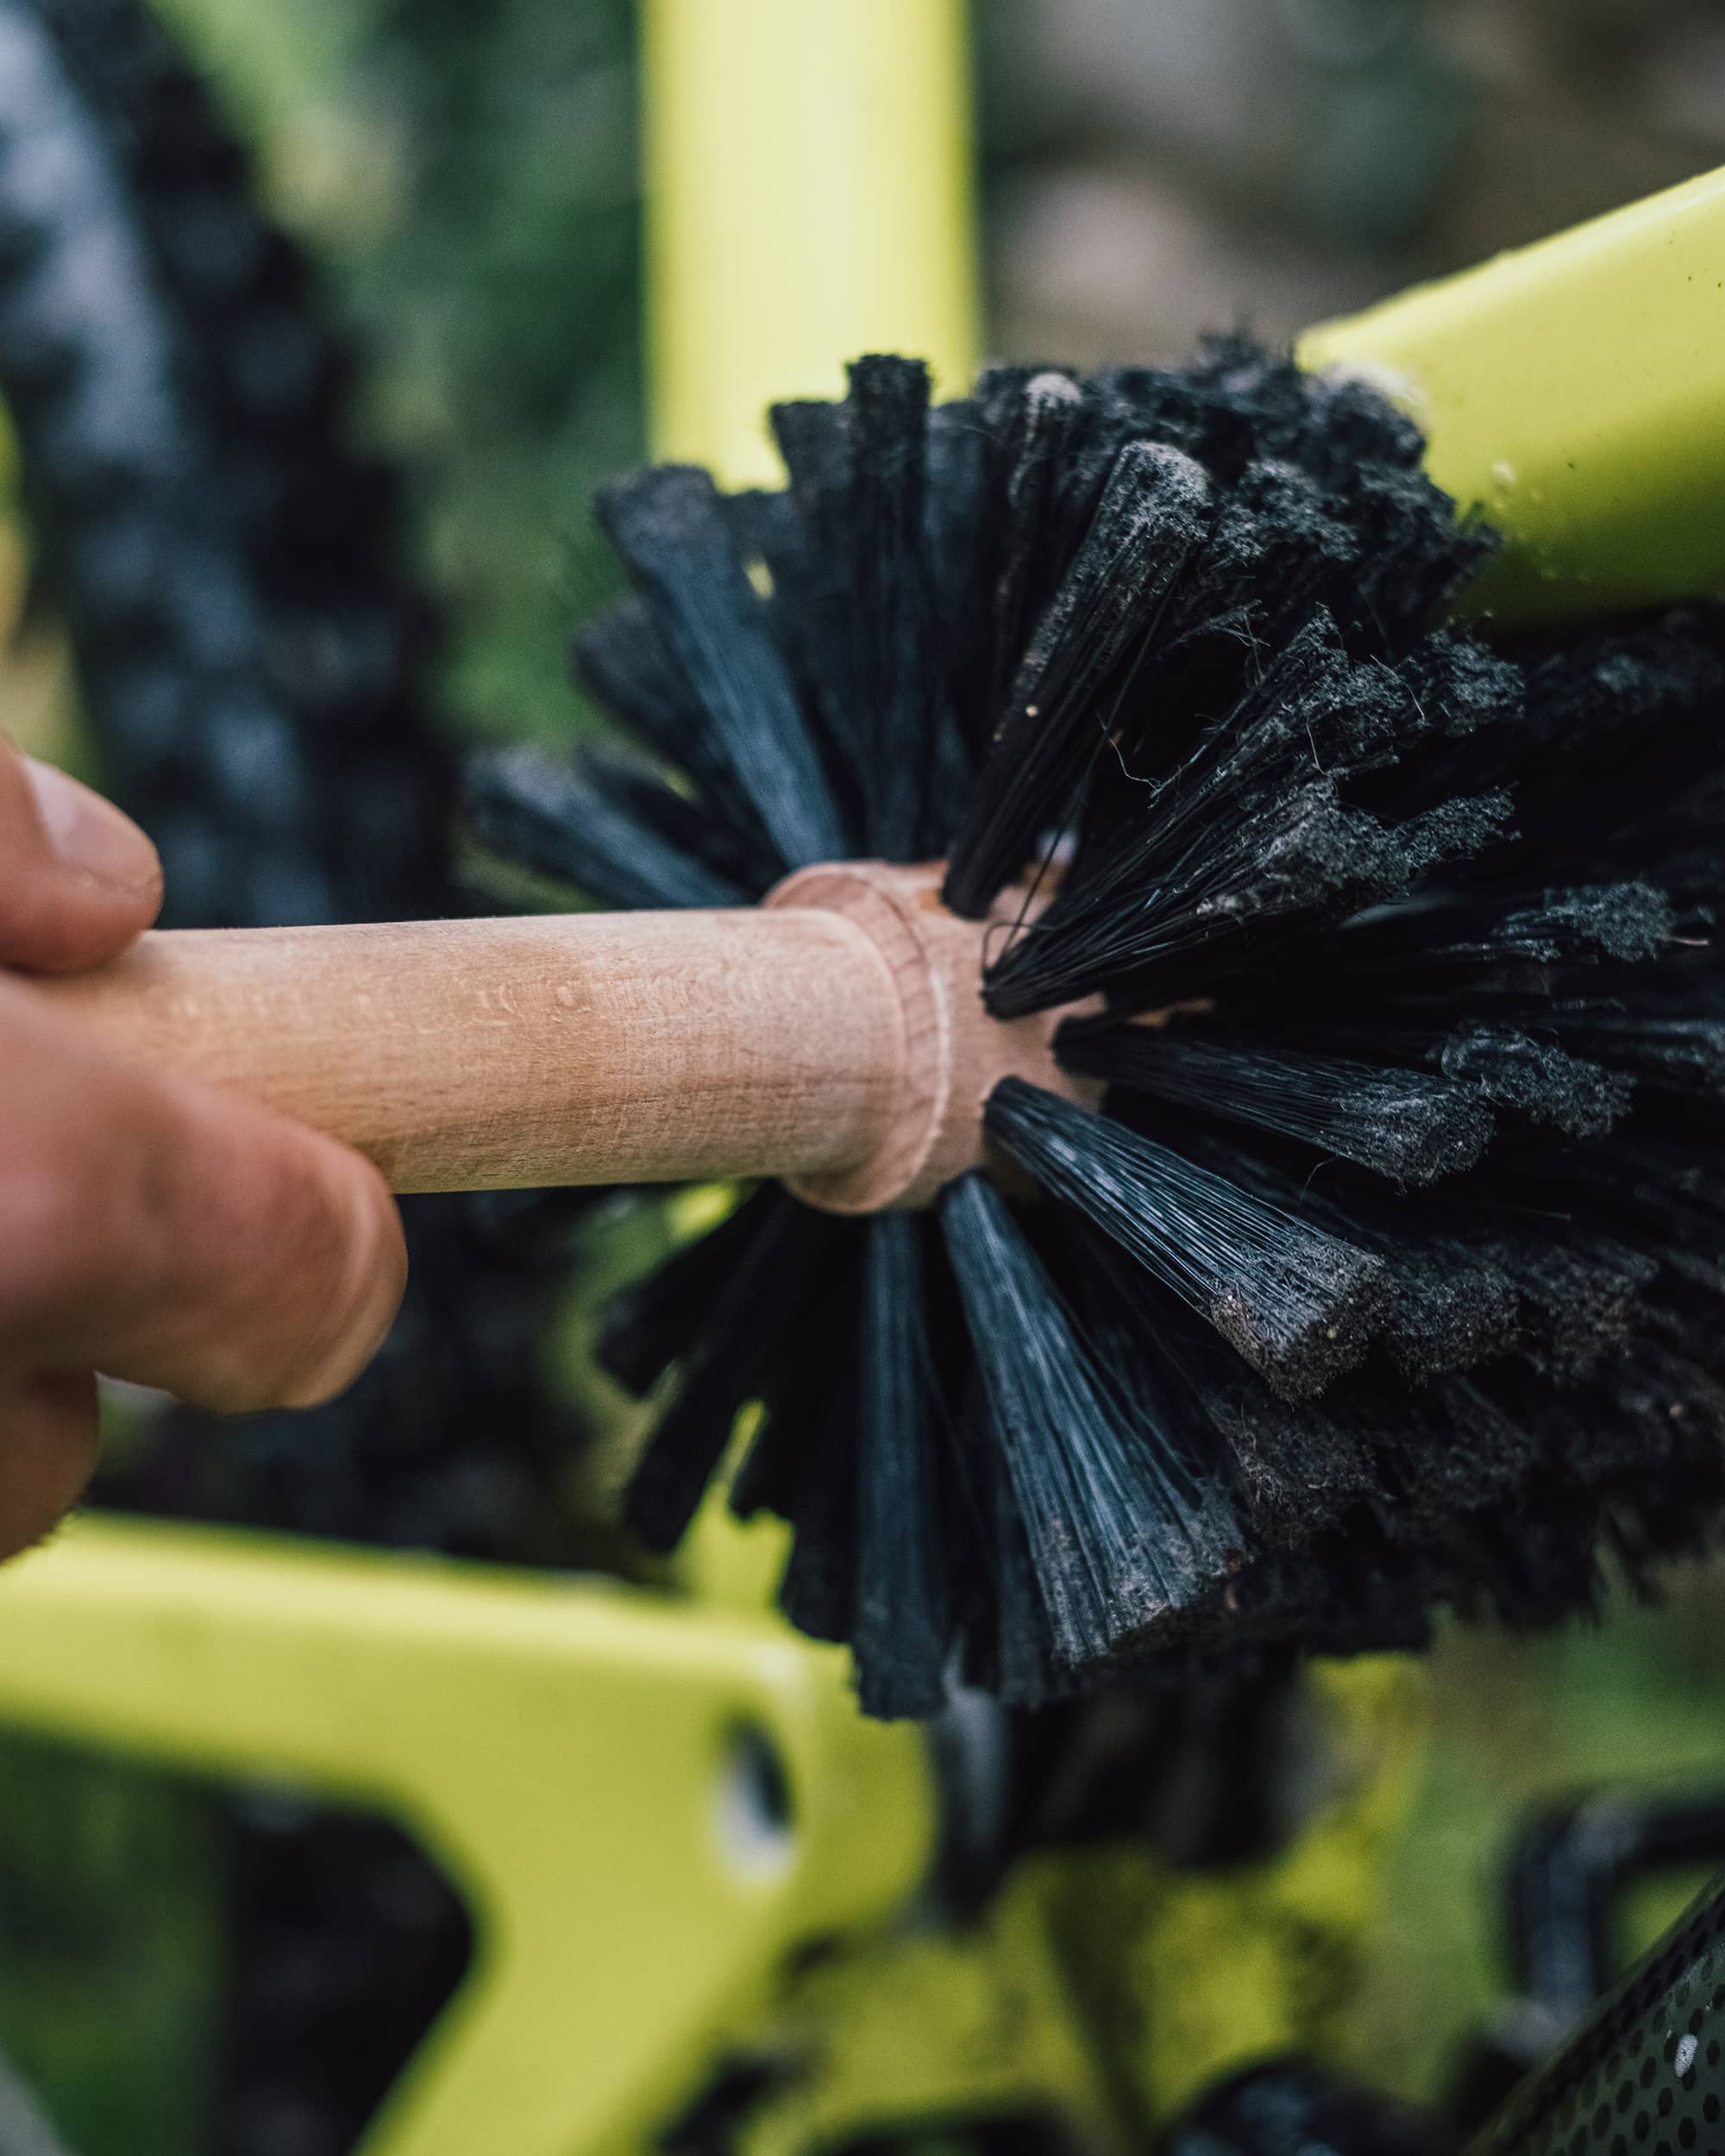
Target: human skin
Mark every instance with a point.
(151, 1228)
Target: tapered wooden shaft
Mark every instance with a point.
(833, 1036)
(508, 1054)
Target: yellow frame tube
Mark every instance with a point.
(807, 169)
(1575, 391)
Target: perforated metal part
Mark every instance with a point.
(1644, 2073)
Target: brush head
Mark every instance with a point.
(1346, 1242)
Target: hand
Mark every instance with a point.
(151, 1228)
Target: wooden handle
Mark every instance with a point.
(834, 1036)
(510, 1054)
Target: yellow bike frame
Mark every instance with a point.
(1574, 392)
(595, 1768)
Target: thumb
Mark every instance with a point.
(78, 880)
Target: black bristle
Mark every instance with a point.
(1462, 935)
(648, 1326)
(1454, 1450)
(955, 501)
(811, 1373)
(1404, 1125)
(621, 662)
(860, 597)
(1257, 841)
(768, 1479)
(1451, 1307)
(1035, 458)
(1676, 1053)
(811, 554)
(1291, 1469)
(902, 1626)
(762, 1301)
(1018, 1661)
(1448, 1305)
(1580, 1292)
(1153, 513)
(1518, 1069)
(667, 526)
(1535, 1078)
(1120, 1532)
(1386, 1273)
(818, 1592)
(1624, 921)
(593, 827)
(1300, 1306)
(898, 683)
(1296, 1469)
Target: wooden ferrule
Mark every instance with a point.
(834, 1036)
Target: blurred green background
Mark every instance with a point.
(466, 177)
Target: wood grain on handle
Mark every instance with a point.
(499, 1055)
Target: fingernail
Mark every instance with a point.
(89, 833)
